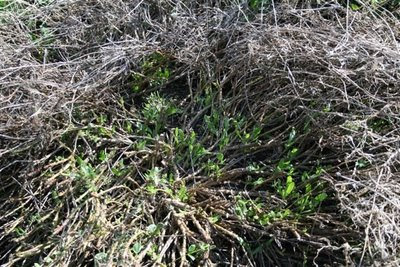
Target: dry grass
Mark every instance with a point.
(95, 171)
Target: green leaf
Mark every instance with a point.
(171, 110)
(182, 194)
(166, 73)
(137, 248)
(294, 152)
(289, 186)
(101, 257)
(153, 175)
(308, 188)
(214, 218)
(19, 231)
(259, 181)
(220, 157)
(153, 229)
(355, 7)
(283, 165)
(151, 189)
(87, 170)
(292, 135)
(204, 247)
(362, 163)
(305, 176)
(135, 88)
(192, 249)
(321, 197)
(201, 151)
(102, 155)
(256, 132)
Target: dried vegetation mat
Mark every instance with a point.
(199, 133)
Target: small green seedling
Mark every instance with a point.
(137, 248)
(156, 111)
(195, 251)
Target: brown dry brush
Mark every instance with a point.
(326, 72)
